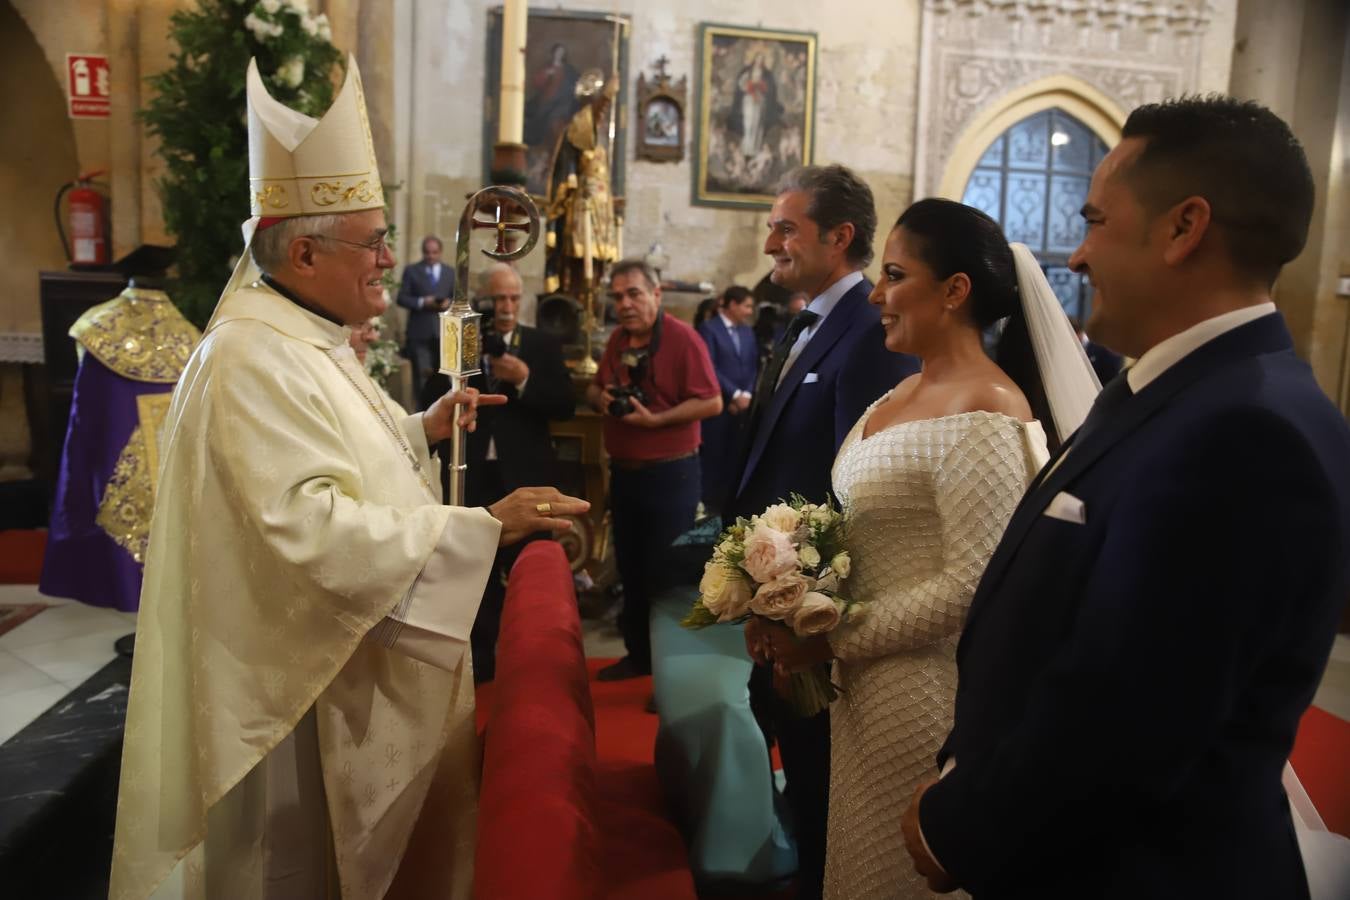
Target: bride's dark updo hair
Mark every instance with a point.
(951, 237)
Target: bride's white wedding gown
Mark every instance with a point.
(926, 503)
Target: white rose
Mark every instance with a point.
(816, 614)
(809, 556)
(724, 593)
(325, 30)
(292, 72)
(299, 7)
(270, 6)
(257, 26)
(780, 598)
(768, 554)
(782, 517)
(841, 564)
(308, 25)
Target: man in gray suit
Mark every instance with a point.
(426, 290)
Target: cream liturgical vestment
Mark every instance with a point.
(294, 514)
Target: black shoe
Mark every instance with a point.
(623, 669)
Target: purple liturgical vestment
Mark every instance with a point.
(134, 348)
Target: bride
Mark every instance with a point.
(928, 478)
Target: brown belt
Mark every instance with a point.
(632, 465)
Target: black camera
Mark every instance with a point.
(494, 344)
(624, 395)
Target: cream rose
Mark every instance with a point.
(768, 553)
(816, 614)
(821, 516)
(809, 556)
(780, 598)
(781, 517)
(724, 593)
(841, 564)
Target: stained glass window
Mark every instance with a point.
(1033, 180)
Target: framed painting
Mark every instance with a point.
(756, 113)
(559, 46)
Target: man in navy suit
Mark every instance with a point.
(830, 365)
(1163, 602)
(735, 358)
(426, 290)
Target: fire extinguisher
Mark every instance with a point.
(88, 241)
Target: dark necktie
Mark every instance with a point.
(1107, 404)
(768, 379)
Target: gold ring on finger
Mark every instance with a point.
(544, 509)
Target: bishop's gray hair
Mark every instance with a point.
(485, 277)
(271, 246)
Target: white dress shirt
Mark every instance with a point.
(822, 306)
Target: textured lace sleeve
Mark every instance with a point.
(978, 483)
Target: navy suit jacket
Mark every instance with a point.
(736, 370)
(424, 324)
(1130, 686)
(841, 370)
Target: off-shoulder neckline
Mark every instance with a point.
(863, 436)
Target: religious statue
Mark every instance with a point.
(583, 234)
(132, 349)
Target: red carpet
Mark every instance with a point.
(21, 555)
(1321, 752)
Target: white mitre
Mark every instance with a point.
(302, 166)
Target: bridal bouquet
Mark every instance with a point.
(787, 564)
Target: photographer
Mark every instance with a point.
(511, 447)
(654, 385)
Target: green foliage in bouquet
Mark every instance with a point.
(198, 113)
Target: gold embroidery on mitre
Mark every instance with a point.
(129, 498)
(273, 195)
(139, 334)
(330, 193)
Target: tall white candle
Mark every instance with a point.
(510, 125)
(587, 246)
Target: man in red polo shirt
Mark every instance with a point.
(654, 385)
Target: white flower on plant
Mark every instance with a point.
(768, 553)
(299, 7)
(809, 556)
(325, 30)
(779, 599)
(292, 71)
(782, 517)
(270, 6)
(822, 516)
(841, 564)
(816, 614)
(725, 593)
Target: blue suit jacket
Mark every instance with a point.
(1130, 687)
(841, 370)
(736, 370)
(423, 324)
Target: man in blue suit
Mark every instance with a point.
(1163, 602)
(830, 365)
(427, 289)
(735, 357)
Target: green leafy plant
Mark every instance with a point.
(199, 115)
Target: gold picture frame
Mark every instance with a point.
(661, 105)
(756, 113)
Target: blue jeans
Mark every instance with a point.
(651, 507)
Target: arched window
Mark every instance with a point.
(1033, 180)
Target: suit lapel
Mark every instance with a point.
(835, 326)
(1265, 335)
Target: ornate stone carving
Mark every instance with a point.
(977, 51)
